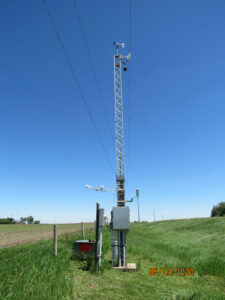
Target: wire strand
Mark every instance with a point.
(77, 82)
(92, 67)
(129, 86)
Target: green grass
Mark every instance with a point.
(34, 273)
(196, 243)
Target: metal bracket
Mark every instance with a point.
(131, 200)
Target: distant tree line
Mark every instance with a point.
(7, 221)
(218, 210)
(27, 220)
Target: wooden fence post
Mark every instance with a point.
(82, 230)
(55, 239)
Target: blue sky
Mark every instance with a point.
(48, 147)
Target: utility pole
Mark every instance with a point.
(137, 194)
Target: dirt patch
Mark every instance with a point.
(8, 239)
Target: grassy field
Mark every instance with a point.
(196, 243)
(11, 235)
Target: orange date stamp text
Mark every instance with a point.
(171, 272)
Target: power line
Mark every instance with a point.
(129, 84)
(77, 82)
(92, 67)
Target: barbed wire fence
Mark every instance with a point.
(48, 244)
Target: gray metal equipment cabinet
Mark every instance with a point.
(121, 218)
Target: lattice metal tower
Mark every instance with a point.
(119, 60)
(119, 64)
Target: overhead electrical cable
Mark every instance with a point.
(77, 83)
(92, 67)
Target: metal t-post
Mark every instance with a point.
(97, 234)
(100, 247)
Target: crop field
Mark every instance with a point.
(11, 235)
(31, 272)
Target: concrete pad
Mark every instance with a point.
(127, 268)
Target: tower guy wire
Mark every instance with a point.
(77, 83)
(129, 86)
(92, 67)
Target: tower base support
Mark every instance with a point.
(127, 268)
